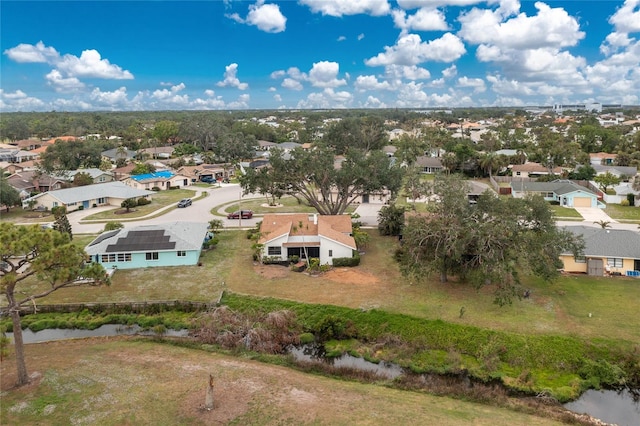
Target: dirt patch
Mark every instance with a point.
(351, 276)
(124, 211)
(272, 271)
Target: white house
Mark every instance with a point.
(100, 194)
(317, 236)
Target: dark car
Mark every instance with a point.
(245, 214)
(184, 203)
(207, 179)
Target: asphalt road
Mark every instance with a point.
(199, 211)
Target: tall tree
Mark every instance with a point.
(363, 134)
(32, 253)
(490, 243)
(329, 185)
(9, 196)
(606, 180)
(61, 223)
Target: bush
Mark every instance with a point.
(143, 201)
(347, 261)
(624, 203)
(155, 188)
(631, 198)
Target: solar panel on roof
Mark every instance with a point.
(142, 240)
(103, 237)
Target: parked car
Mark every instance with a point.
(186, 202)
(245, 214)
(207, 179)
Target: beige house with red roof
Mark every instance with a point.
(317, 236)
(529, 168)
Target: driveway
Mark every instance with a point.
(369, 213)
(594, 214)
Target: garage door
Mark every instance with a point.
(595, 267)
(582, 202)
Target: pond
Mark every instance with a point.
(617, 407)
(51, 334)
(609, 406)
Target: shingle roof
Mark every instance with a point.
(608, 242)
(560, 187)
(336, 228)
(98, 190)
(170, 236)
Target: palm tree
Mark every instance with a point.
(603, 224)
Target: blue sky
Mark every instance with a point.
(219, 55)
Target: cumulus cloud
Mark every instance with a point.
(328, 98)
(116, 98)
(627, 17)
(373, 102)
(167, 94)
(325, 74)
(425, 19)
(62, 84)
(476, 83)
(19, 101)
(291, 84)
(551, 27)
(409, 72)
(411, 50)
(266, 17)
(230, 79)
(28, 53)
(370, 82)
(450, 71)
(340, 8)
(341, 38)
(360, 36)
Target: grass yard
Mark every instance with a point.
(561, 307)
(565, 212)
(287, 204)
(623, 213)
(18, 215)
(160, 199)
(132, 381)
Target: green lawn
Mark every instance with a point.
(625, 213)
(160, 199)
(286, 204)
(563, 212)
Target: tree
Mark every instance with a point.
(330, 187)
(585, 172)
(9, 196)
(142, 169)
(30, 252)
(391, 220)
(489, 243)
(603, 224)
(128, 204)
(164, 131)
(61, 223)
(415, 185)
(490, 162)
(365, 134)
(606, 180)
(266, 182)
(82, 179)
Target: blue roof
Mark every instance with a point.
(165, 174)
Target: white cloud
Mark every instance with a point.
(409, 72)
(210, 93)
(477, 84)
(19, 101)
(425, 19)
(370, 82)
(450, 72)
(278, 74)
(277, 98)
(230, 79)
(360, 36)
(241, 103)
(28, 53)
(91, 64)
(62, 84)
(340, 8)
(291, 84)
(168, 94)
(549, 28)
(324, 74)
(627, 17)
(373, 102)
(267, 17)
(341, 38)
(410, 50)
(328, 98)
(117, 98)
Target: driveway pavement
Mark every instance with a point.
(594, 214)
(369, 213)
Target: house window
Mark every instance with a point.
(124, 257)
(274, 251)
(615, 262)
(181, 253)
(330, 253)
(102, 200)
(580, 259)
(108, 258)
(152, 255)
(517, 173)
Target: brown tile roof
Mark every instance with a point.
(532, 167)
(335, 228)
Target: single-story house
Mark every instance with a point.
(171, 244)
(115, 154)
(164, 180)
(565, 192)
(34, 181)
(158, 152)
(602, 158)
(429, 164)
(317, 236)
(530, 168)
(97, 175)
(616, 251)
(99, 194)
(627, 172)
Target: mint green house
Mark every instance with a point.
(170, 244)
